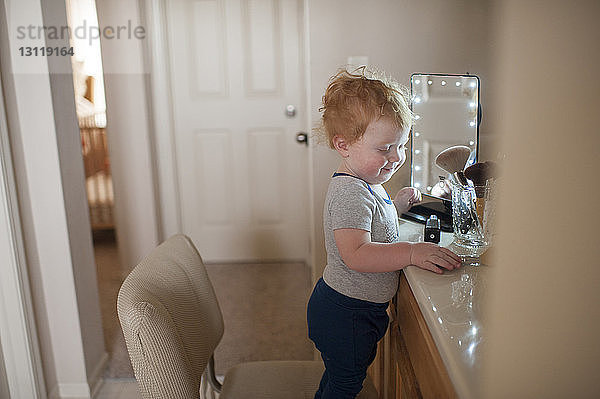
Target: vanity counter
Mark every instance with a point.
(437, 331)
(451, 306)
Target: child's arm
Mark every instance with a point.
(362, 255)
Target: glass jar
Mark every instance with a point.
(471, 221)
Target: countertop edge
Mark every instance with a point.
(461, 386)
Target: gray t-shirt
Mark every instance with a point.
(352, 204)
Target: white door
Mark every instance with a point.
(235, 66)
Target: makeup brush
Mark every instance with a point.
(453, 160)
(480, 172)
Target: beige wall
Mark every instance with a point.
(401, 37)
(48, 165)
(543, 315)
(72, 173)
(50, 180)
(128, 135)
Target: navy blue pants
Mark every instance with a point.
(346, 331)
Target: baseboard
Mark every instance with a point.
(70, 391)
(95, 380)
(81, 390)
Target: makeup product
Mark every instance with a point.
(467, 225)
(453, 160)
(432, 230)
(479, 174)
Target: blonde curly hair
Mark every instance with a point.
(354, 99)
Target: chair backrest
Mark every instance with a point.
(171, 320)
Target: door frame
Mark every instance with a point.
(18, 338)
(157, 57)
(156, 60)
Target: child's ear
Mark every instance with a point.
(341, 145)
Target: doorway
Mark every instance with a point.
(90, 102)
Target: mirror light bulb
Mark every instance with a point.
(472, 123)
(417, 81)
(443, 83)
(457, 84)
(471, 142)
(417, 116)
(430, 82)
(417, 134)
(472, 84)
(417, 167)
(417, 100)
(417, 184)
(417, 151)
(472, 104)
(429, 189)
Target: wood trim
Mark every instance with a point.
(429, 369)
(407, 386)
(383, 367)
(375, 371)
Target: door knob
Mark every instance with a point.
(302, 138)
(290, 111)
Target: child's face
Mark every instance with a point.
(378, 154)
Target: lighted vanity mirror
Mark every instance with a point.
(447, 113)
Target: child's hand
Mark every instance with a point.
(442, 189)
(405, 198)
(430, 256)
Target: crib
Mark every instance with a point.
(98, 179)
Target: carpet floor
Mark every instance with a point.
(263, 306)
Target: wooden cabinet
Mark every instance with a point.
(408, 364)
